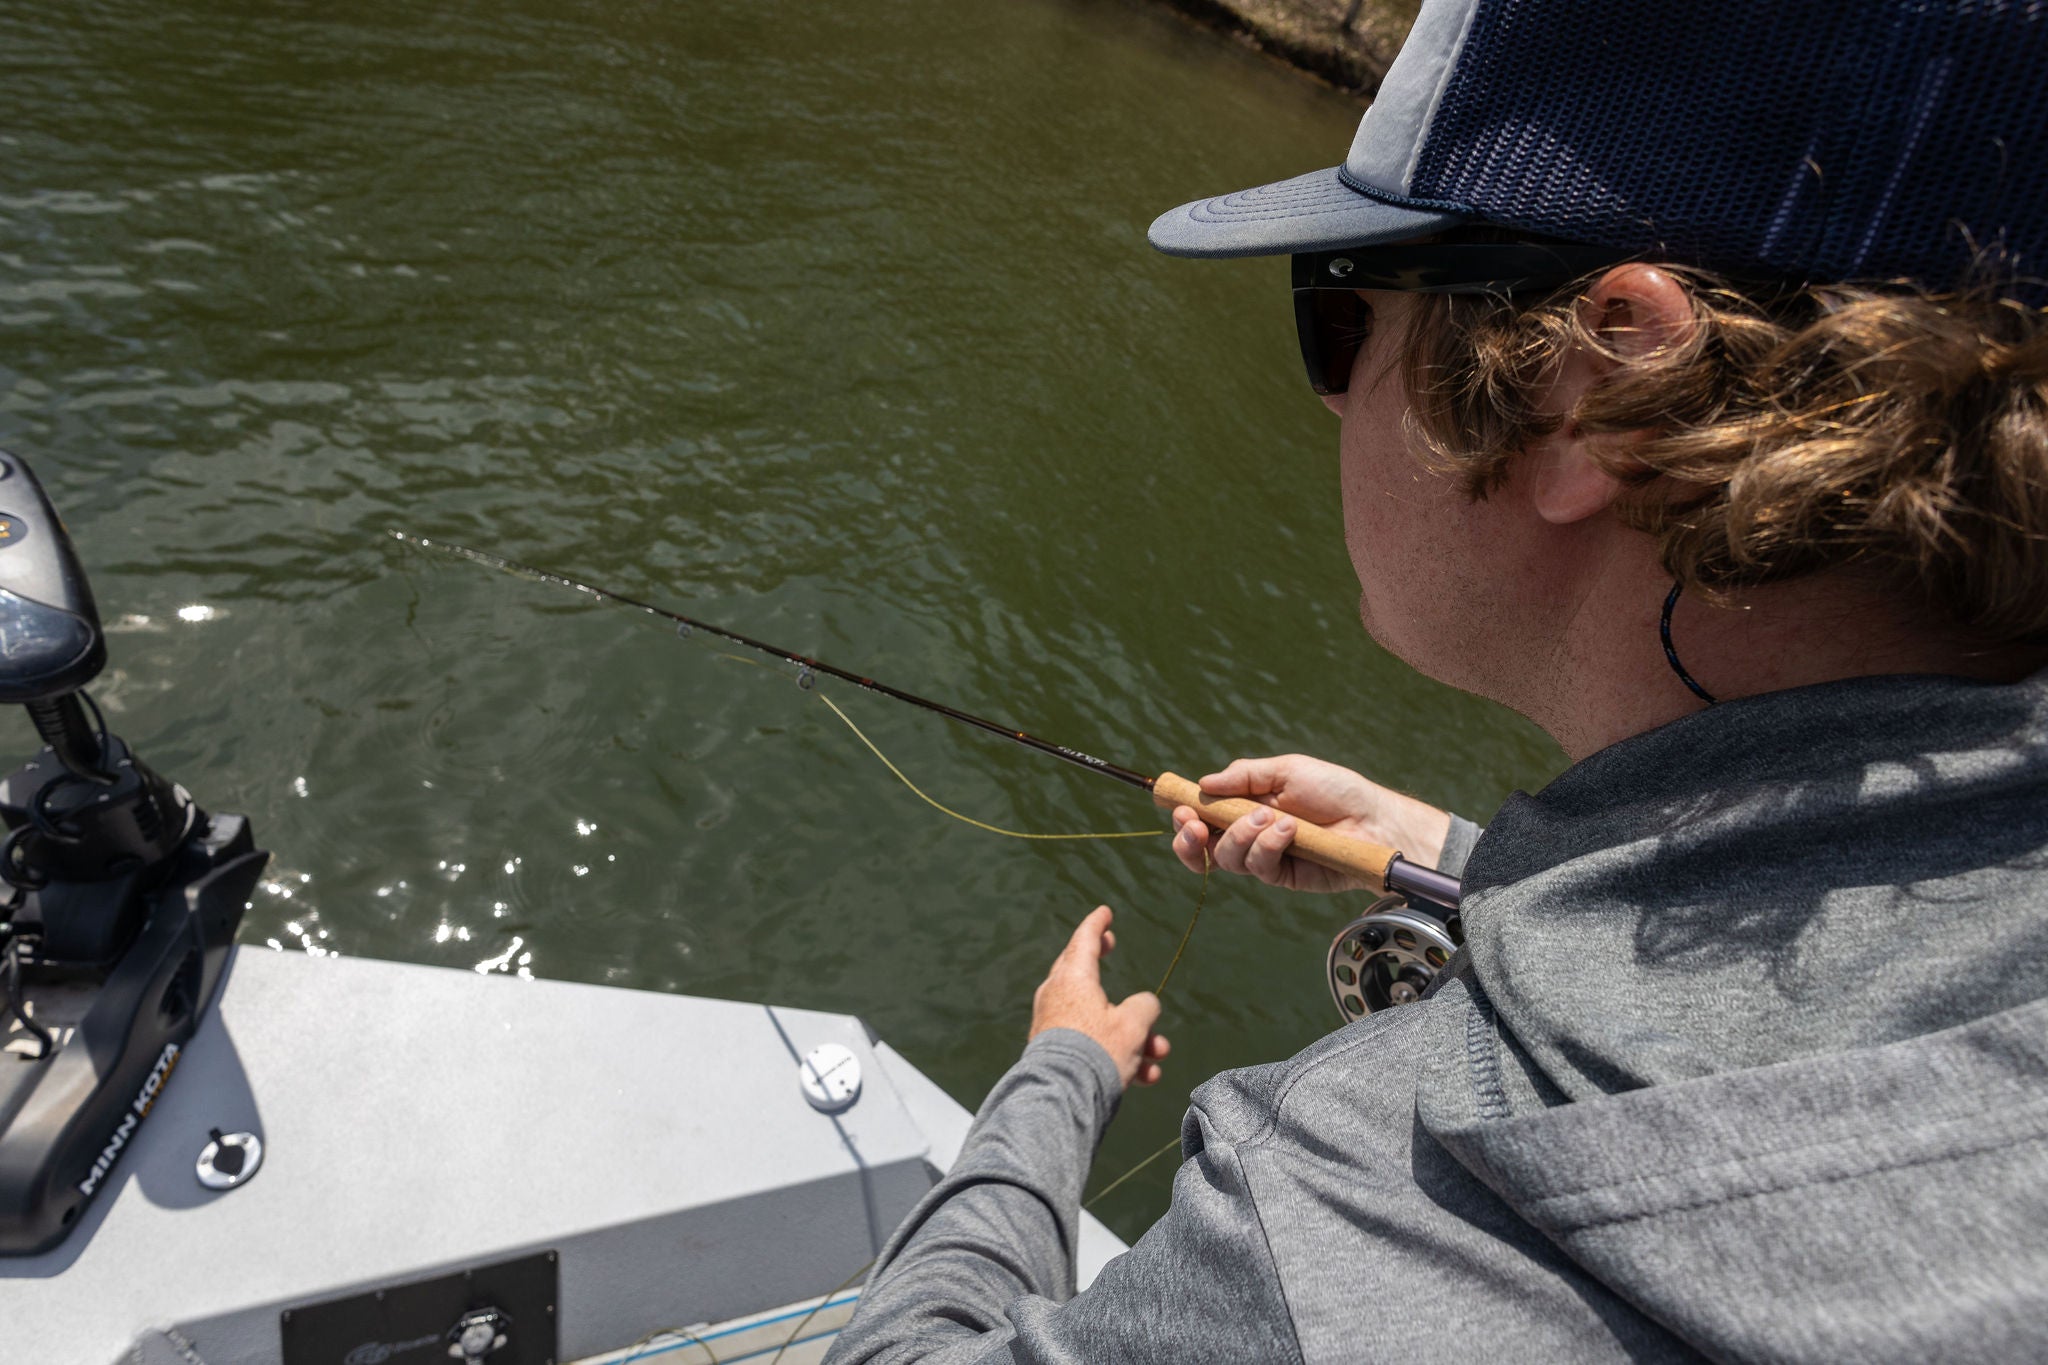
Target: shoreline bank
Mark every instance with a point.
(1347, 43)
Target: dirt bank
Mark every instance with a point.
(1346, 42)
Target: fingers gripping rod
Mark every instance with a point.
(1376, 863)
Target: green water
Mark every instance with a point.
(832, 322)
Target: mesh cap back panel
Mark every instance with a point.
(1829, 138)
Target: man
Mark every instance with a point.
(1695, 404)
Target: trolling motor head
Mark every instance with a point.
(1389, 955)
(85, 810)
(50, 638)
(51, 644)
(120, 896)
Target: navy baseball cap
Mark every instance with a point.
(1820, 140)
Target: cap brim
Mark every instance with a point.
(1313, 212)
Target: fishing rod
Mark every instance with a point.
(1376, 863)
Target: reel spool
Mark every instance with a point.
(1387, 957)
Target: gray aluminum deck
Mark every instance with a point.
(418, 1120)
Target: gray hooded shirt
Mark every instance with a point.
(1746, 1059)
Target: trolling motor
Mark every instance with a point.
(121, 897)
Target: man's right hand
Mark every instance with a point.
(1296, 786)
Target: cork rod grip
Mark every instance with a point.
(1311, 842)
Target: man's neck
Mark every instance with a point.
(1611, 680)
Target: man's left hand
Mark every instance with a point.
(1072, 997)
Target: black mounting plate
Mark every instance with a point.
(409, 1324)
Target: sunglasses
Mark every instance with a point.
(1333, 322)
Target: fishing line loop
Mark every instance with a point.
(968, 819)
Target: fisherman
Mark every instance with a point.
(1693, 384)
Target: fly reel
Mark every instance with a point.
(1387, 957)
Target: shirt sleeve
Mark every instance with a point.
(983, 1268)
(1458, 843)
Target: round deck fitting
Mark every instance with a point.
(831, 1078)
(229, 1159)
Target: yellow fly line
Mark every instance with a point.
(968, 819)
(1179, 950)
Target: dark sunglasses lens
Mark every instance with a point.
(1333, 325)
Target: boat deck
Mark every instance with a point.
(419, 1121)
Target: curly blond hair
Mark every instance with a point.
(1896, 431)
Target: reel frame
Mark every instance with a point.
(1387, 957)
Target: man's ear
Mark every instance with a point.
(1634, 311)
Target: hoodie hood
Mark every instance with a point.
(1762, 990)
(1789, 874)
